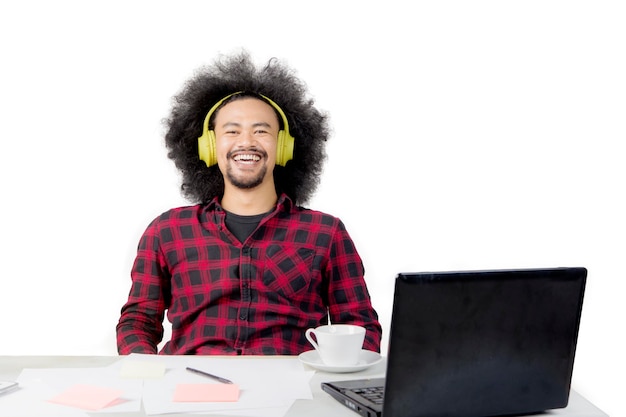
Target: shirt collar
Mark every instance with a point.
(284, 203)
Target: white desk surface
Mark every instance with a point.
(321, 405)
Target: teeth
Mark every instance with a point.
(247, 157)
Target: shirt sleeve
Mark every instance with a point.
(349, 299)
(140, 327)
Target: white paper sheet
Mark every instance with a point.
(38, 386)
(269, 386)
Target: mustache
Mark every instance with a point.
(252, 149)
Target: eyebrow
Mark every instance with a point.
(235, 124)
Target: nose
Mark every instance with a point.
(246, 138)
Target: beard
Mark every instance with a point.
(246, 183)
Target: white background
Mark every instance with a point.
(467, 135)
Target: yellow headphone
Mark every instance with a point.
(206, 142)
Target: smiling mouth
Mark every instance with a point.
(247, 158)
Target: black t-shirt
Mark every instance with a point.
(243, 226)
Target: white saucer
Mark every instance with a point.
(367, 358)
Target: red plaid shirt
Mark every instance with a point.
(257, 297)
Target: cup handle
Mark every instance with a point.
(307, 334)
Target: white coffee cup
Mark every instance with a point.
(337, 344)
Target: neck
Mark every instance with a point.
(249, 202)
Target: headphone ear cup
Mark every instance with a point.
(206, 148)
(284, 148)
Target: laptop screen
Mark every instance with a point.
(482, 342)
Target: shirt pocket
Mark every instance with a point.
(288, 270)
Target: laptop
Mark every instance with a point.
(475, 344)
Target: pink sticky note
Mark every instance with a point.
(88, 397)
(206, 393)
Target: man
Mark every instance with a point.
(247, 269)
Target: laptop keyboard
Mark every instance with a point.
(373, 394)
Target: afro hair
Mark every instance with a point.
(299, 178)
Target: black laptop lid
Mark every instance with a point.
(482, 343)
